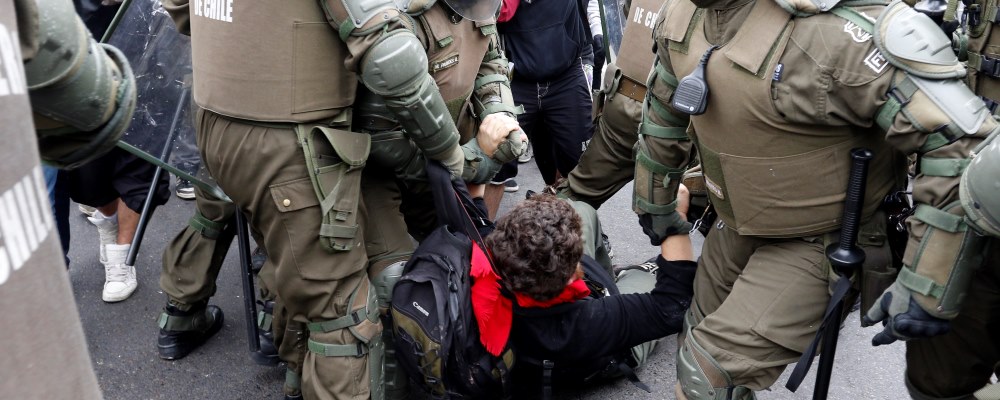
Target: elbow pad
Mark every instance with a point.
(395, 68)
(979, 189)
(83, 92)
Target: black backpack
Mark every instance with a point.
(437, 338)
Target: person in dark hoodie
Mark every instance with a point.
(537, 250)
(549, 43)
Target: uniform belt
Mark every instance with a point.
(632, 89)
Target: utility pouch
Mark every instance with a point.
(335, 159)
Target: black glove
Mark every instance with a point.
(902, 317)
(658, 227)
(598, 46)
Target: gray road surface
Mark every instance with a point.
(121, 337)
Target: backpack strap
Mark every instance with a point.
(547, 367)
(593, 271)
(629, 374)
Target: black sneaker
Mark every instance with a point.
(184, 190)
(189, 329)
(509, 184)
(649, 266)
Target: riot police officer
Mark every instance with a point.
(774, 102)
(288, 132)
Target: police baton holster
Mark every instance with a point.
(845, 258)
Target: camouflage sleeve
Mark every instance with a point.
(178, 10)
(663, 149)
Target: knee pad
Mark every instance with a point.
(385, 280)
(396, 382)
(363, 323)
(700, 376)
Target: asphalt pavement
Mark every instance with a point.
(121, 337)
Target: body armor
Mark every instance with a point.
(300, 78)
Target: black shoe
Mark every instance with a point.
(267, 356)
(295, 397)
(199, 324)
(184, 190)
(257, 259)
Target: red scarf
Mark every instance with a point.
(494, 311)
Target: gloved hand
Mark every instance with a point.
(902, 317)
(658, 227)
(598, 46)
(455, 162)
(500, 137)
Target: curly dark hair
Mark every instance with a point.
(537, 246)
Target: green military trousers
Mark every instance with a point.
(192, 260)
(608, 164)
(638, 281)
(760, 302)
(593, 244)
(262, 168)
(956, 364)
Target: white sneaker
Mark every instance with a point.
(107, 230)
(119, 279)
(87, 210)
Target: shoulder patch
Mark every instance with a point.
(912, 42)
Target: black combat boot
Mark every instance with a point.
(183, 331)
(268, 353)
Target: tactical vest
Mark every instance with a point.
(455, 51)
(984, 52)
(635, 58)
(277, 61)
(768, 176)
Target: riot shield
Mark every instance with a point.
(162, 129)
(613, 22)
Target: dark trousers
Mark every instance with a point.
(557, 120)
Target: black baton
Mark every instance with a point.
(246, 271)
(845, 257)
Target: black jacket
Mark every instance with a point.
(582, 337)
(546, 37)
